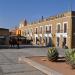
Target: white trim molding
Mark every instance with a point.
(46, 35)
(64, 34)
(36, 35)
(50, 35)
(57, 27)
(58, 34)
(40, 35)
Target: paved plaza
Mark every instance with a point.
(10, 63)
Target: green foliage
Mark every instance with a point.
(70, 57)
(52, 54)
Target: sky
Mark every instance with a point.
(12, 12)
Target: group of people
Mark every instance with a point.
(13, 42)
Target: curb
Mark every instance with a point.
(40, 67)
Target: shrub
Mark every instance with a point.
(70, 57)
(52, 54)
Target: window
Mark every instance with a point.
(50, 29)
(32, 31)
(36, 30)
(22, 33)
(65, 27)
(50, 41)
(25, 33)
(29, 31)
(64, 41)
(40, 40)
(36, 40)
(41, 29)
(58, 28)
(46, 40)
(58, 41)
(46, 28)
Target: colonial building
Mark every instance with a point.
(15, 32)
(56, 31)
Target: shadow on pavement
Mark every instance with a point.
(1, 71)
(22, 46)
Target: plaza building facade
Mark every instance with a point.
(4, 36)
(55, 31)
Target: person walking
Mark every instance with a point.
(17, 42)
(10, 42)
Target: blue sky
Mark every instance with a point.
(12, 12)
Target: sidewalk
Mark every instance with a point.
(43, 68)
(19, 69)
(10, 63)
(21, 46)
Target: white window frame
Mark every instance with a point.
(48, 26)
(51, 27)
(41, 27)
(57, 27)
(37, 29)
(45, 27)
(63, 26)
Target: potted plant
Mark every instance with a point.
(52, 54)
(70, 57)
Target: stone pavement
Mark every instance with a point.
(10, 65)
(39, 66)
(19, 69)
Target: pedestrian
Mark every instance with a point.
(10, 42)
(13, 42)
(18, 43)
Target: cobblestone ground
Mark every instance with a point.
(10, 65)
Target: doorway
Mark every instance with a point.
(64, 41)
(58, 40)
(50, 41)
